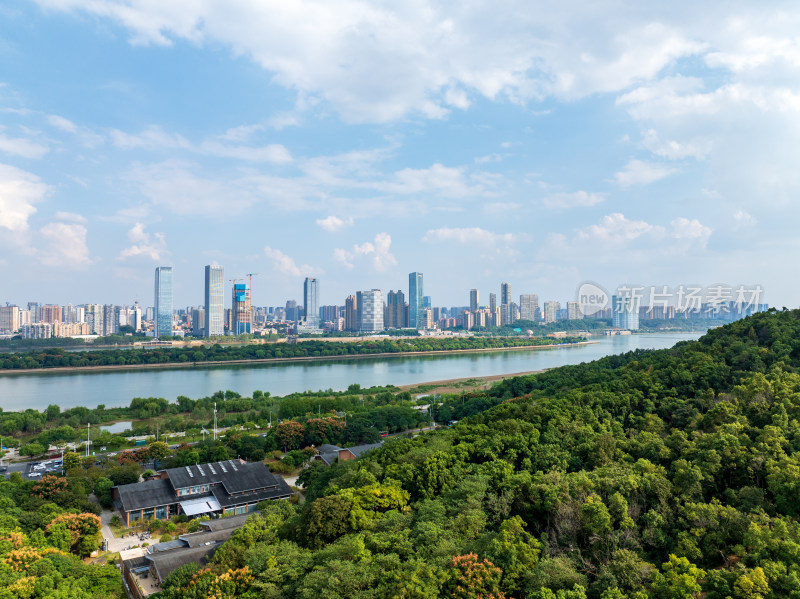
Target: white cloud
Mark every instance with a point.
(71, 217)
(616, 228)
(25, 148)
(684, 228)
(378, 62)
(744, 219)
(675, 150)
(19, 191)
(286, 265)
(639, 172)
(376, 253)
(64, 245)
(573, 200)
(144, 244)
(467, 235)
(59, 122)
(334, 223)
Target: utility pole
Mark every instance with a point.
(215, 421)
(88, 440)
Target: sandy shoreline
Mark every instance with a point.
(205, 364)
(452, 385)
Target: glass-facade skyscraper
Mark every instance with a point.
(163, 299)
(214, 325)
(416, 319)
(311, 301)
(241, 313)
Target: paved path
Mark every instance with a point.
(114, 544)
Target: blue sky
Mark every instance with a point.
(543, 144)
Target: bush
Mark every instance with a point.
(115, 520)
(170, 527)
(165, 538)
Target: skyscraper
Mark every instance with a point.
(370, 311)
(492, 302)
(163, 297)
(528, 305)
(551, 310)
(241, 313)
(214, 317)
(473, 300)
(505, 293)
(311, 302)
(395, 310)
(626, 311)
(415, 318)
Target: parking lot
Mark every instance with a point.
(35, 470)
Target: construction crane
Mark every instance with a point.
(251, 275)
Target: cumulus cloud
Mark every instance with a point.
(334, 223)
(616, 228)
(684, 228)
(467, 235)
(559, 201)
(64, 244)
(639, 172)
(286, 265)
(144, 244)
(375, 253)
(19, 191)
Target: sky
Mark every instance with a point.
(543, 144)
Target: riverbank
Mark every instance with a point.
(462, 384)
(261, 361)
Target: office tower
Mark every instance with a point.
(370, 311)
(426, 301)
(473, 300)
(551, 311)
(241, 313)
(528, 305)
(625, 311)
(9, 319)
(505, 314)
(136, 322)
(415, 300)
(351, 313)
(162, 318)
(198, 322)
(311, 302)
(292, 311)
(50, 313)
(395, 310)
(492, 302)
(574, 311)
(505, 293)
(428, 313)
(34, 309)
(214, 300)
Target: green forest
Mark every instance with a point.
(650, 475)
(660, 474)
(59, 358)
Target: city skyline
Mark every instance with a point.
(543, 148)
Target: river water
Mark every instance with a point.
(18, 392)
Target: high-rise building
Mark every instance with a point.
(415, 320)
(163, 298)
(329, 313)
(351, 313)
(574, 311)
(292, 311)
(213, 324)
(241, 312)
(9, 319)
(370, 311)
(311, 302)
(426, 301)
(111, 320)
(473, 300)
(395, 310)
(94, 318)
(626, 311)
(505, 293)
(528, 305)
(50, 313)
(492, 302)
(34, 309)
(551, 311)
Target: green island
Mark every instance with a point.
(651, 475)
(216, 353)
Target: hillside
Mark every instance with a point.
(662, 474)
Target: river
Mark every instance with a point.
(117, 388)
